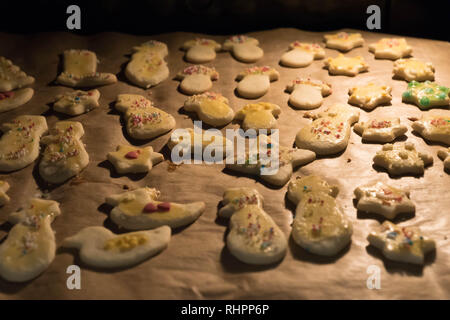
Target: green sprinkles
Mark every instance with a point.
(424, 101)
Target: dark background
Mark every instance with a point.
(428, 19)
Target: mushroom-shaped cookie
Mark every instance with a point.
(201, 50)
(244, 48)
(390, 48)
(307, 93)
(255, 82)
(302, 54)
(197, 79)
(343, 41)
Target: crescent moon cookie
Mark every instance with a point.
(80, 70)
(307, 94)
(302, 54)
(288, 159)
(212, 108)
(413, 69)
(11, 77)
(380, 129)
(347, 66)
(147, 66)
(243, 48)
(343, 41)
(261, 115)
(77, 102)
(12, 99)
(139, 210)
(319, 226)
(30, 246)
(369, 96)
(402, 158)
(4, 187)
(444, 155)
(143, 120)
(19, 144)
(434, 127)
(201, 50)
(403, 244)
(64, 155)
(101, 248)
(254, 82)
(390, 48)
(130, 159)
(197, 79)
(426, 94)
(254, 237)
(383, 199)
(330, 132)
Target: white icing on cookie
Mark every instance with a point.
(254, 82)
(369, 96)
(201, 50)
(347, 66)
(244, 48)
(307, 94)
(380, 129)
(11, 77)
(302, 54)
(261, 115)
(131, 159)
(76, 102)
(343, 41)
(413, 69)
(211, 108)
(12, 99)
(390, 48)
(196, 79)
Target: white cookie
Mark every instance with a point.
(76, 102)
(130, 159)
(64, 155)
(319, 226)
(444, 155)
(4, 187)
(11, 77)
(30, 246)
(369, 96)
(402, 158)
(19, 144)
(383, 199)
(302, 54)
(434, 127)
(197, 79)
(426, 94)
(380, 129)
(143, 120)
(244, 48)
(307, 94)
(80, 70)
(139, 210)
(201, 50)
(211, 108)
(261, 115)
(343, 41)
(390, 48)
(13, 99)
(254, 82)
(347, 66)
(101, 248)
(147, 66)
(254, 237)
(413, 69)
(403, 244)
(330, 132)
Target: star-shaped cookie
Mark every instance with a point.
(390, 48)
(444, 155)
(426, 94)
(381, 198)
(380, 129)
(343, 41)
(434, 127)
(4, 187)
(347, 66)
(402, 158)
(404, 244)
(369, 96)
(76, 102)
(413, 69)
(130, 159)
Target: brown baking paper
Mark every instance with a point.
(197, 264)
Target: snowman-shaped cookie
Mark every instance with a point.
(212, 108)
(201, 50)
(307, 93)
(196, 79)
(244, 48)
(255, 82)
(302, 54)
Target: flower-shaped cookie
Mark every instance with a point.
(307, 93)
(426, 94)
(343, 41)
(261, 115)
(201, 50)
(444, 155)
(130, 159)
(244, 48)
(413, 69)
(12, 99)
(347, 66)
(369, 96)
(402, 158)
(255, 82)
(434, 127)
(302, 54)
(76, 102)
(211, 107)
(404, 244)
(11, 77)
(390, 48)
(380, 129)
(196, 79)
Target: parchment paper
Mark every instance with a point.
(197, 265)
